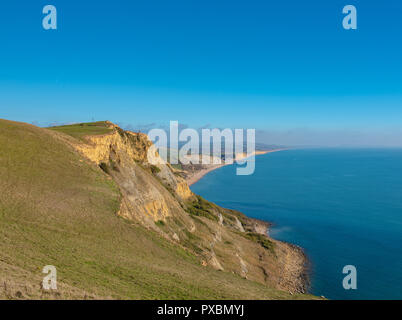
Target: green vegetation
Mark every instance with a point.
(80, 130)
(201, 208)
(160, 223)
(260, 239)
(177, 166)
(155, 169)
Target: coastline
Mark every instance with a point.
(296, 273)
(200, 174)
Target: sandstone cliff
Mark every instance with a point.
(160, 199)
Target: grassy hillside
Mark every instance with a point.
(83, 129)
(57, 208)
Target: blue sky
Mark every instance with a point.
(277, 66)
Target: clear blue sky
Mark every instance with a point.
(271, 65)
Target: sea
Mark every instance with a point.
(342, 206)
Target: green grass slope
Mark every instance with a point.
(81, 130)
(58, 209)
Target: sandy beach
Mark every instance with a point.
(199, 174)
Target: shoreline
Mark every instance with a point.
(297, 265)
(200, 174)
(297, 270)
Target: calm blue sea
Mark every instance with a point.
(343, 206)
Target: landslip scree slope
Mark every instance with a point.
(85, 199)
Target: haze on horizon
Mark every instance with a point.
(287, 69)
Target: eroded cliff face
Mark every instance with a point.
(127, 149)
(154, 195)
